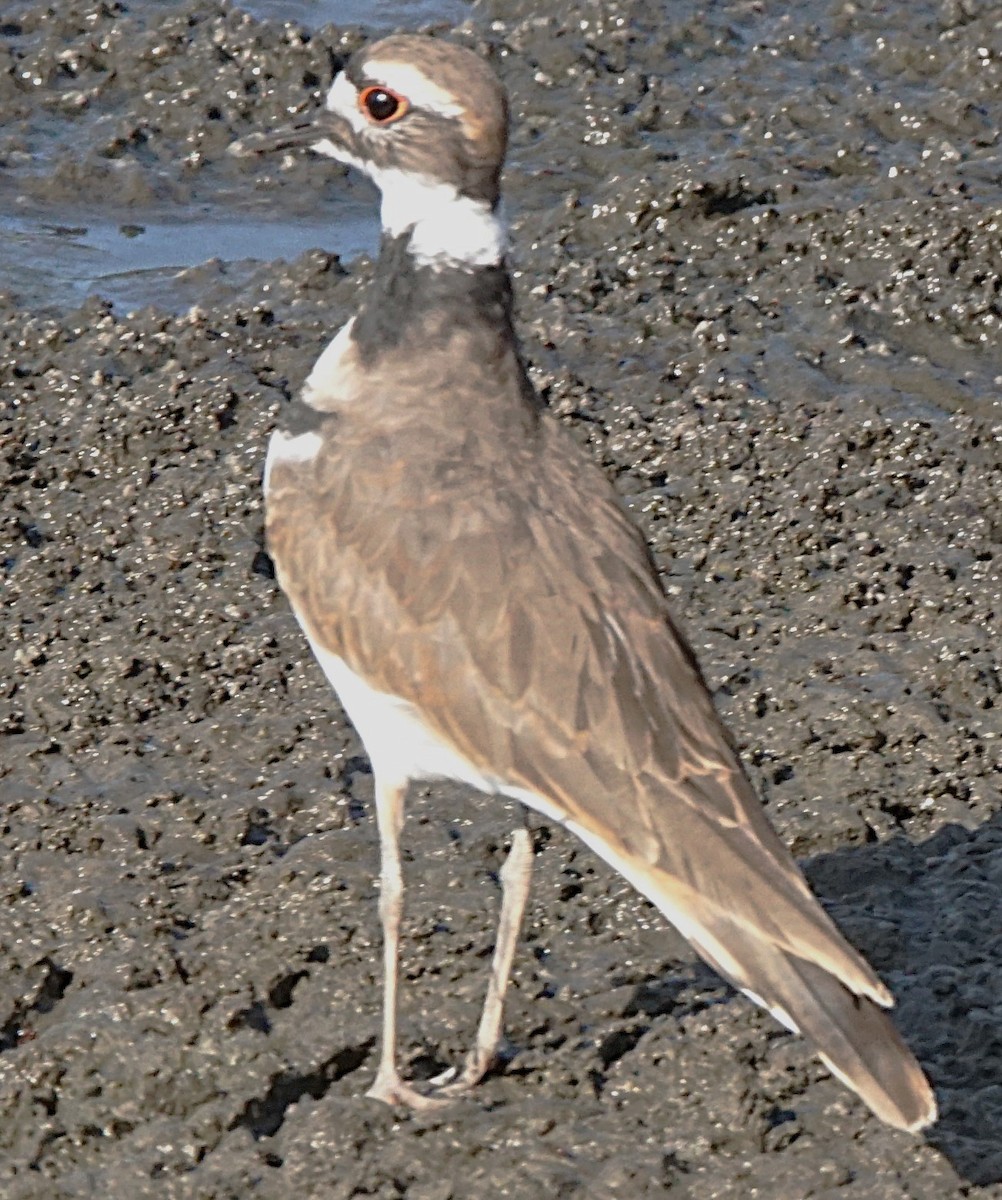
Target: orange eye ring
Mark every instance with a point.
(382, 105)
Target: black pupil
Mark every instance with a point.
(381, 105)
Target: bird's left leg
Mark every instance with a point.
(516, 875)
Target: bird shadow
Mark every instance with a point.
(929, 918)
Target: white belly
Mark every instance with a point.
(397, 740)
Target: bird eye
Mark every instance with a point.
(381, 105)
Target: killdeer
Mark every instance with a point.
(488, 613)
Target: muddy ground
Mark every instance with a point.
(758, 261)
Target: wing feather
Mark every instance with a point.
(555, 627)
(512, 601)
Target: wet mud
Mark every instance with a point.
(757, 260)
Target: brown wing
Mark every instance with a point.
(514, 602)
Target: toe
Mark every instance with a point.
(394, 1091)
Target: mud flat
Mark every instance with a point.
(758, 262)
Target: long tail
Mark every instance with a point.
(836, 1001)
(853, 1035)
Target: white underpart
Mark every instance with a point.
(399, 743)
(290, 448)
(402, 747)
(448, 228)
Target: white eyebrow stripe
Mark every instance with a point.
(414, 85)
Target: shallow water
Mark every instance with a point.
(49, 262)
(133, 256)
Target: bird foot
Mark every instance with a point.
(446, 1086)
(444, 1079)
(452, 1083)
(391, 1089)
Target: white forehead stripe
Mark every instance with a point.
(414, 85)
(446, 226)
(342, 99)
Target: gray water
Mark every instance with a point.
(382, 17)
(60, 252)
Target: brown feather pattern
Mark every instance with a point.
(509, 597)
(458, 551)
(469, 559)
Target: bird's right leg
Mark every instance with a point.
(388, 1085)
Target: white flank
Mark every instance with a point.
(322, 381)
(397, 740)
(402, 747)
(288, 448)
(447, 228)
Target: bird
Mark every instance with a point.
(487, 611)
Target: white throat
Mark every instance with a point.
(448, 229)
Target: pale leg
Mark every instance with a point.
(388, 1085)
(516, 875)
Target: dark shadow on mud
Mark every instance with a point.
(929, 918)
